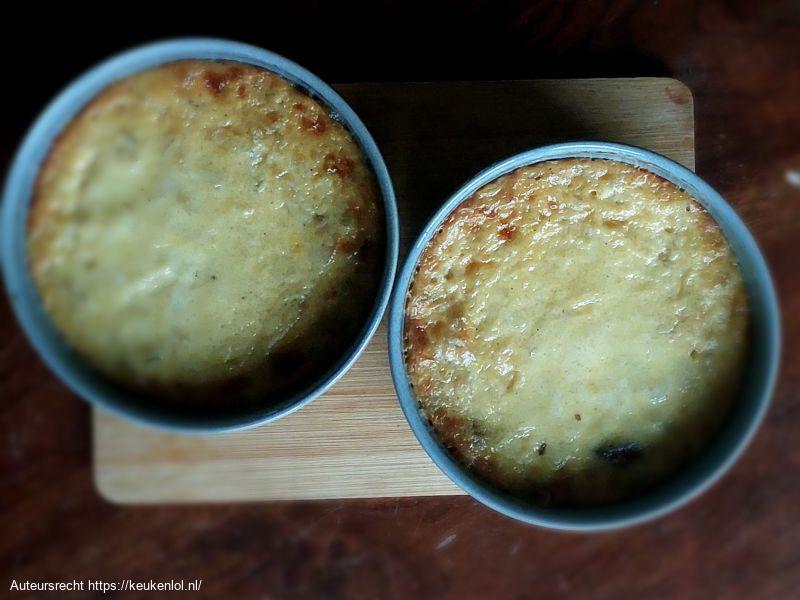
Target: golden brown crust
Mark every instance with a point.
(227, 211)
(557, 298)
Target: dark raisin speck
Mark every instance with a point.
(619, 454)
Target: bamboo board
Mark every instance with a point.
(354, 442)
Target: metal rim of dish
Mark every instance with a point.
(726, 447)
(17, 194)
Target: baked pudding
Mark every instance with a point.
(205, 231)
(575, 331)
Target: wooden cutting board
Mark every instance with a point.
(354, 442)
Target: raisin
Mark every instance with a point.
(619, 454)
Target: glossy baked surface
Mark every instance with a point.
(204, 229)
(576, 330)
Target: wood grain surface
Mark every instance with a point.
(354, 441)
(741, 60)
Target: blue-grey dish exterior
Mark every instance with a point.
(748, 413)
(25, 302)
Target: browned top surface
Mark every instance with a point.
(535, 334)
(182, 181)
(742, 62)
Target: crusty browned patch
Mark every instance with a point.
(314, 123)
(338, 164)
(475, 266)
(416, 337)
(347, 245)
(217, 80)
(613, 223)
(507, 231)
(487, 211)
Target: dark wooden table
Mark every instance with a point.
(741, 60)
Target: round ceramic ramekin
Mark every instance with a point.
(726, 447)
(25, 302)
